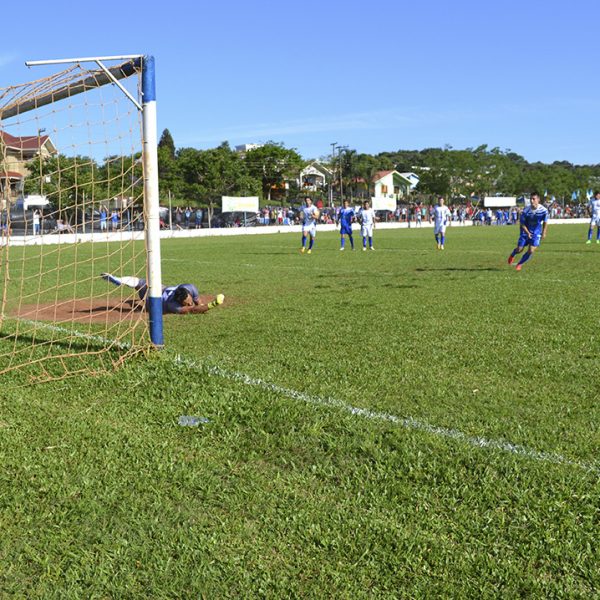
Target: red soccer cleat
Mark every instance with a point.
(511, 259)
(519, 267)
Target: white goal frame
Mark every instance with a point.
(147, 105)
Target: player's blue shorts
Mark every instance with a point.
(524, 240)
(346, 229)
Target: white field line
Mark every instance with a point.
(74, 332)
(323, 401)
(406, 422)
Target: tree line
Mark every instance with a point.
(483, 171)
(190, 176)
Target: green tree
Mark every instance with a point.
(67, 182)
(434, 182)
(272, 164)
(167, 144)
(210, 174)
(348, 164)
(169, 176)
(364, 168)
(122, 177)
(509, 179)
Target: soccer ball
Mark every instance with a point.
(317, 214)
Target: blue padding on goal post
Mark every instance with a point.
(156, 321)
(148, 80)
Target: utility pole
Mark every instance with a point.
(39, 143)
(333, 145)
(340, 150)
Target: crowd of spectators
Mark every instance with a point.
(416, 214)
(181, 218)
(185, 218)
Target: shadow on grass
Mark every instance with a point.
(459, 269)
(41, 340)
(127, 306)
(271, 253)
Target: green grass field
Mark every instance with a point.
(398, 423)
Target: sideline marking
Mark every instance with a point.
(324, 401)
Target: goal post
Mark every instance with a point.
(78, 163)
(151, 201)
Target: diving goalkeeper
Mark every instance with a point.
(182, 299)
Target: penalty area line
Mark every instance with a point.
(405, 422)
(328, 402)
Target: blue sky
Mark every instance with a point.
(375, 76)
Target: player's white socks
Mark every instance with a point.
(129, 281)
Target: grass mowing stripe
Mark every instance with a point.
(406, 422)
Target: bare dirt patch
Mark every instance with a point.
(95, 310)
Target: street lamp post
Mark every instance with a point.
(333, 146)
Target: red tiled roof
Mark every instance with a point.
(10, 175)
(381, 174)
(26, 142)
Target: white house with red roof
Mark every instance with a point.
(391, 184)
(314, 176)
(16, 152)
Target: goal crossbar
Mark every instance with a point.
(96, 79)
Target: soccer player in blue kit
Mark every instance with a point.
(345, 218)
(534, 223)
(176, 299)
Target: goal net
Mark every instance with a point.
(73, 184)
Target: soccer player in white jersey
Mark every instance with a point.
(534, 223)
(441, 218)
(595, 220)
(308, 215)
(367, 221)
